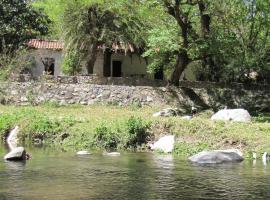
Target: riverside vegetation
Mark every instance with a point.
(100, 127)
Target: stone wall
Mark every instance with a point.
(202, 95)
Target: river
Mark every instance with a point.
(57, 175)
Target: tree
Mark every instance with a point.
(185, 39)
(19, 21)
(240, 37)
(91, 24)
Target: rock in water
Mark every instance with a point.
(111, 154)
(16, 154)
(217, 157)
(12, 139)
(165, 144)
(237, 115)
(83, 153)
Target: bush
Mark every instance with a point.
(106, 138)
(12, 64)
(7, 122)
(136, 132)
(34, 125)
(71, 64)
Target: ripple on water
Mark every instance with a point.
(129, 176)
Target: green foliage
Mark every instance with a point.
(236, 44)
(130, 135)
(7, 122)
(188, 149)
(34, 125)
(137, 132)
(71, 64)
(105, 137)
(240, 41)
(20, 22)
(54, 9)
(12, 64)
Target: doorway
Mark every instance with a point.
(49, 65)
(116, 68)
(159, 74)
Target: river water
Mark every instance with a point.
(53, 175)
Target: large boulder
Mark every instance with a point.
(16, 154)
(237, 115)
(168, 112)
(217, 157)
(164, 144)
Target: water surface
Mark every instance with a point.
(55, 175)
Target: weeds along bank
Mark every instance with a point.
(129, 128)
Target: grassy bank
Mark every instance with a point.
(93, 127)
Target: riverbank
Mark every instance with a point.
(80, 127)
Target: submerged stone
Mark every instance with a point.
(217, 157)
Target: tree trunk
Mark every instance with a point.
(207, 60)
(93, 50)
(181, 64)
(182, 57)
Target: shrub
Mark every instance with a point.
(7, 122)
(12, 64)
(71, 64)
(106, 138)
(136, 132)
(34, 125)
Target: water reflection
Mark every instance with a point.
(15, 167)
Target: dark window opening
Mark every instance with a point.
(49, 65)
(159, 74)
(116, 68)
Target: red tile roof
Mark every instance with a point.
(56, 45)
(44, 44)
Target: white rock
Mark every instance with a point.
(12, 139)
(265, 156)
(83, 153)
(254, 156)
(217, 157)
(149, 99)
(111, 154)
(187, 117)
(17, 153)
(165, 144)
(237, 115)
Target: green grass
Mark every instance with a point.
(87, 127)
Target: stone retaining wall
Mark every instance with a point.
(202, 95)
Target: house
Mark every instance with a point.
(123, 62)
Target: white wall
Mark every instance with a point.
(131, 64)
(39, 68)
